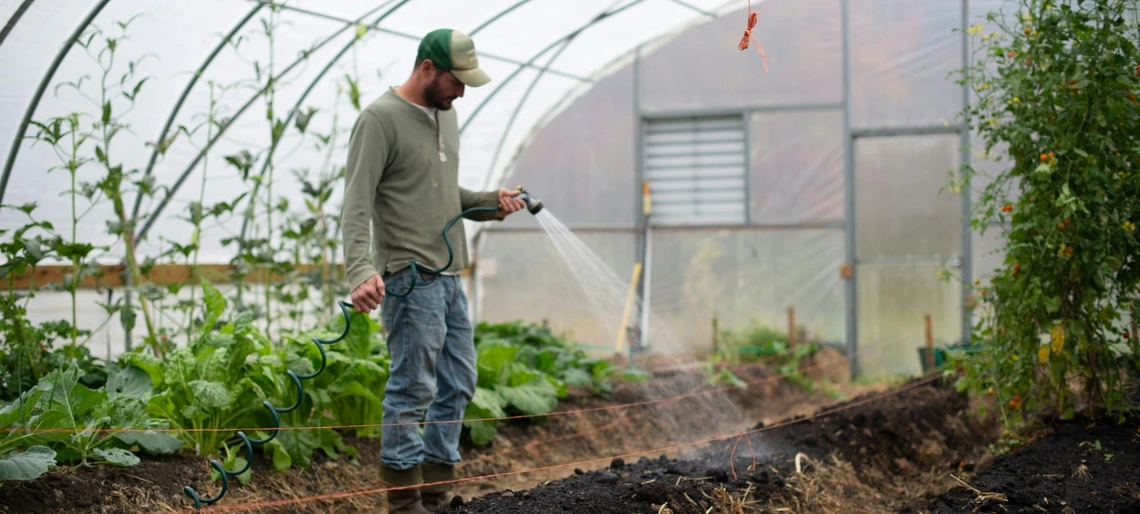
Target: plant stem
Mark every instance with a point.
(196, 241)
(73, 168)
(274, 138)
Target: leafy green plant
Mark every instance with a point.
(352, 385)
(1057, 92)
(525, 369)
(764, 344)
(506, 385)
(222, 378)
(218, 382)
(62, 419)
(27, 351)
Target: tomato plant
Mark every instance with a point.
(1055, 88)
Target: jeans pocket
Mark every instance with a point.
(402, 283)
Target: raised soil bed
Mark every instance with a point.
(1076, 467)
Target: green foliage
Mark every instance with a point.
(62, 419)
(351, 388)
(1058, 94)
(221, 380)
(217, 382)
(524, 369)
(27, 351)
(763, 344)
(27, 464)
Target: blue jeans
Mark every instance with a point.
(432, 375)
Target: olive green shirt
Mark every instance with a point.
(402, 177)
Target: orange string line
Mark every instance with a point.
(243, 507)
(692, 393)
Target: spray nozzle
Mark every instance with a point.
(533, 204)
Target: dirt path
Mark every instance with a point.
(881, 454)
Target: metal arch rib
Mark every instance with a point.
(40, 92)
(23, 8)
(703, 12)
(518, 108)
(182, 99)
(496, 17)
(573, 34)
(405, 35)
(489, 175)
(222, 130)
(297, 107)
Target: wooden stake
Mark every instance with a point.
(929, 341)
(716, 334)
(792, 336)
(791, 328)
(619, 345)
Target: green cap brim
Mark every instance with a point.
(474, 77)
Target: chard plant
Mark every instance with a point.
(1057, 89)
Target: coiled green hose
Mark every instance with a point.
(198, 501)
(450, 253)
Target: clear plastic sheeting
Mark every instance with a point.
(797, 167)
(573, 86)
(521, 277)
(746, 278)
(581, 163)
(900, 210)
(988, 247)
(702, 68)
(903, 57)
(893, 301)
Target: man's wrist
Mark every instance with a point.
(360, 276)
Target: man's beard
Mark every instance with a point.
(436, 98)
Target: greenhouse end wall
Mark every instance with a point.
(792, 247)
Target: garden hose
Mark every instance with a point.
(534, 205)
(198, 501)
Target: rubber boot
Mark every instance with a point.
(437, 496)
(404, 501)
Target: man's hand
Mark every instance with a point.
(508, 203)
(368, 295)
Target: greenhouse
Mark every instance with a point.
(739, 216)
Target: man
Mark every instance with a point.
(402, 178)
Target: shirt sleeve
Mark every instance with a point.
(469, 199)
(367, 155)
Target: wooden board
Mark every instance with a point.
(160, 274)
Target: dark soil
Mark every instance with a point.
(638, 487)
(95, 488)
(917, 430)
(1077, 468)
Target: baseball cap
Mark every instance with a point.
(455, 51)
